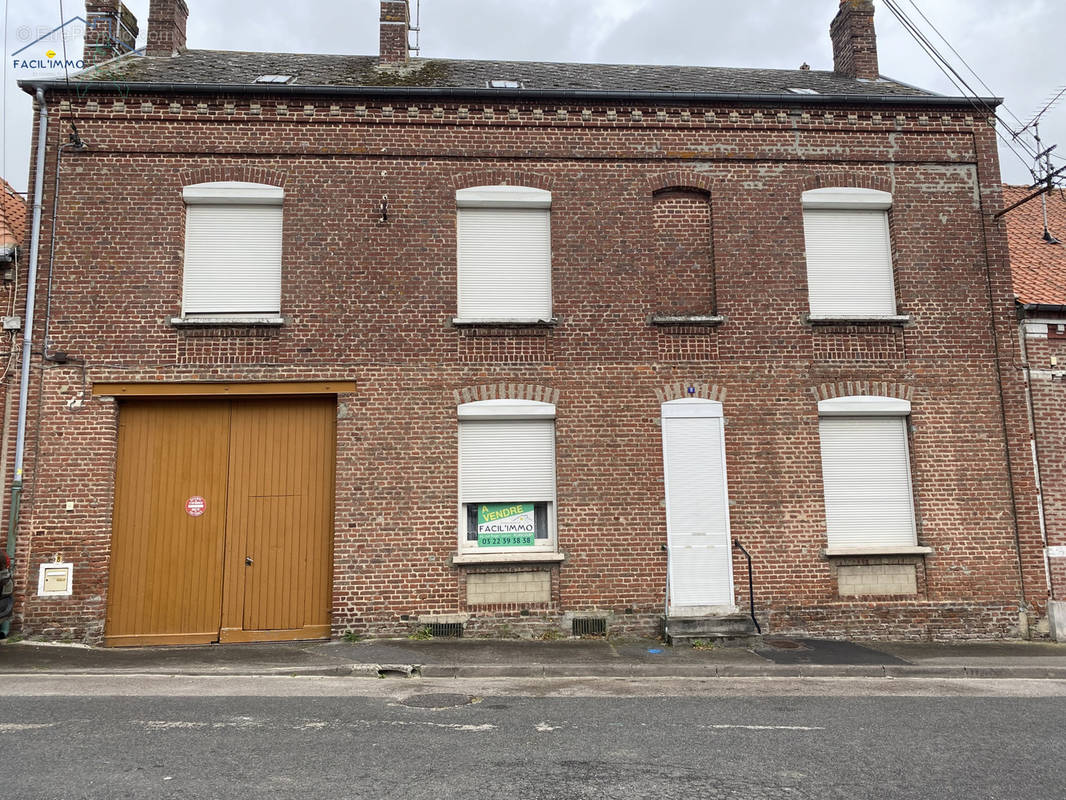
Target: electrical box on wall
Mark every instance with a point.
(12, 323)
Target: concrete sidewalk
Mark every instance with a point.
(773, 656)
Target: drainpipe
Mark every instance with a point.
(27, 336)
(1031, 414)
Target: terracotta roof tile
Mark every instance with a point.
(1038, 269)
(12, 216)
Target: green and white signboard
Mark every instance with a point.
(505, 525)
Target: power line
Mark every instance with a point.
(74, 137)
(1039, 158)
(930, 50)
(940, 60)
(962, 85)
(959, 56)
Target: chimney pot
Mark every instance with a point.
(110, 31)
(166, 27)
(854, 40)
(395, 24)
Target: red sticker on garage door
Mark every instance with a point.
(195, 506)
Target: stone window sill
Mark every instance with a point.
(460, 322)
(462, 559)
(221, 320)
(846, 552)
(897, 320)
(707, 320)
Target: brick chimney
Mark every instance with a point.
(395, 22)
(854, 40)
(110, 31)
(166, 27)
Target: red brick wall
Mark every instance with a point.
(371, 301)
(684, 264)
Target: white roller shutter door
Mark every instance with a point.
(866, 475)
(507, 461)
(697, 512)
(849, 262)
(504, 264)
(232, 259)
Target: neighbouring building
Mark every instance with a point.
(373, 343)
(13, 236)
(1036, 232)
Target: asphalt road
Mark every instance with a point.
(156, 737)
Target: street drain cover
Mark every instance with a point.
(438, 701)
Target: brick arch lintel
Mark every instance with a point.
(506, 391)
(679, 179)
(827, 391)
(857, 180)
(678, 391)
(232, 172)
(500, 177)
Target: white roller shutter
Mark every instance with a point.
(849, 262)
(866, 475)
(504, 264)
(504, 461)
(232, 259)
(697, 508)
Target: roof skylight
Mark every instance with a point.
(505, 84)
(796, 90)
(274, 79)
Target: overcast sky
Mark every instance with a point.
(1013, 45)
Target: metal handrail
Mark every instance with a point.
(751, 585)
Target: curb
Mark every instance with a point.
(369, 670)
(740, 671)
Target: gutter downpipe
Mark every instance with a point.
(27, 336)
(1031, 413)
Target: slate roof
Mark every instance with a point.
(1038, 269)
(224, 67)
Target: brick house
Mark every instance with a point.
(1038, 267)
(358, 343)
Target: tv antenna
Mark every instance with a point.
(1045, 177)
(1043, 164)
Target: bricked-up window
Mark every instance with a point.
(684, 270)
(506, 476)
(849, 253)
(504, 254)
(232, 250)
(866, 473)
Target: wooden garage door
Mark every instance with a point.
(256, 564)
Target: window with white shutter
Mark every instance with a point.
(866, 473)
(506, 476)
(504, 254)
(232, 250)
(849, 254)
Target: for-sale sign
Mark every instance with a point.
(505, 525)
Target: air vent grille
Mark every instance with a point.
(445, 630)
(589, 626)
